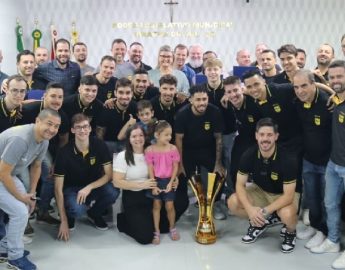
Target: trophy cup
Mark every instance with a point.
(206, 190)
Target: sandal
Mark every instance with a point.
(156, 238)
(174, 235)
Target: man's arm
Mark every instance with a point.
(178, 142)
(63, 233)
(100, 131)
(218, 167)
(84, 192)
(285, 199)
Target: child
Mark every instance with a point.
(146, 120)
(162, 159)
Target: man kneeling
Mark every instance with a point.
(82, 174)
(272, 192)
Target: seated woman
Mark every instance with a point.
(165, 66)
(130, 173)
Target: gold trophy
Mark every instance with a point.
(206, 192)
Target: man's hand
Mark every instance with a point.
(110, 103)
(149, 183)
(256, 216)
(181, 97)
(63, 231)
(218, 168)
(156, 191)
(82, 194)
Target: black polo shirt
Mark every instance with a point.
(246, 118)
(279, 105)
(73, 105)
(149, 94)
(199, 130)
(281, 78)
(338, 135)
(316, 121)
(114, 119)
(80, 170)
(7, 118)
(269, 174)
(106, 90)
(31, 110)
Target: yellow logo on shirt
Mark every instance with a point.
(207, 125)
(277, 108)
(341, 118)
(250, 119)
(274, 176)
(306, 105)
(92, 160)
(317, 120)
(109, 94)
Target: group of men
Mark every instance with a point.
(272, 128)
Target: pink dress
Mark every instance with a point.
(162, 162)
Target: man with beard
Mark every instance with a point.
(335, 170)
(52, 99)
(198, 131)
(274, 174)
(301, 58)
(141, 86)
(85, 101)
(60, 70)
(135, 54)
(180, 57)
(21, 148)
(287, 55)
(113, 119)
(80, 56)
(195, 58)
(325, 55)
(119, 50)
(41, 55)
(106, 80)
(269, 65)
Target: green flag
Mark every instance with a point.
(19, 33)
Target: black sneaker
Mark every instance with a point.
(289, 242)
(44, 217)
(99, 222)
(273, 220)
(282, 231)
(253, 234)
(71, 223)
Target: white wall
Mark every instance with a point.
(306, 23)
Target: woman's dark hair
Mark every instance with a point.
(129, 156)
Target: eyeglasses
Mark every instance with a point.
(79, 128)
(18, 91)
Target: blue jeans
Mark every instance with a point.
(47, 186)
(104, 197)
(314, 190)
(334, 190)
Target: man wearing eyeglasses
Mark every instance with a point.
(82, 176)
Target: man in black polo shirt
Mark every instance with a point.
(274, 175)
(10, 103)
(198, 129)
(288, 59)
(52, 99)
(85, 102)
(105, 79)
(113, 119)
(141, 86)
(165, 106)
(315, 117)
(247, 115)
(82, 175)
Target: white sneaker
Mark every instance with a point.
(327, 246)
(316, 240)
(218, 213)
(339, 263)
(26, 240)
(306, 233)
(306, 220)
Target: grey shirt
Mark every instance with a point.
(19, 148)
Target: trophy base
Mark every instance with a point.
(205, 240)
